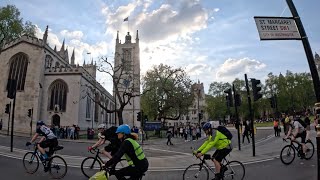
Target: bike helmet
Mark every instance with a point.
(40, 123)
(101, 126)
(207, 126)
(124, 128)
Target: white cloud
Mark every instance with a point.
(72, 34)
(232, 68)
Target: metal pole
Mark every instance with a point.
(13, 107)
(237, 116)
(9, 118)
(251, 116)
(307, 49)
(31, 122)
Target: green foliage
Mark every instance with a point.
(167, 93)
(12, 26)
(294, 92)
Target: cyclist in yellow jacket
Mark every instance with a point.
(219, 141)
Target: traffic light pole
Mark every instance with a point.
(251, 116)
(9, 118)
(12, 120)
(31, 117)
(237, 116)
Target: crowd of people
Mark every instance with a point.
(65, 132)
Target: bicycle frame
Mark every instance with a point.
(204, 163)
(37, 153)
(295, 145)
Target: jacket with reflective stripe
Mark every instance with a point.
(137, 149)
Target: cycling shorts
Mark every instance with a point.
(303, 136)
(219, 154)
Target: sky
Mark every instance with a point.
(212, 40)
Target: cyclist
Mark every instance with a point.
(299, 131)
(138, 163)
(220, 142)
(48, 139)
(110, 135)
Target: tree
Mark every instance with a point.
(167, 93)
(12, 26)
(124, 90)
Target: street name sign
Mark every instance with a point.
(277, 28)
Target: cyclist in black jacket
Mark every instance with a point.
(109, 135)
(138, 163)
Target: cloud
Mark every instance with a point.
(232, 68)
(72, 34)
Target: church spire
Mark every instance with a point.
(137, 37)
(84, 62)
(45, 36)
(92, 61)
(55, 48)
(62, 47)
(117, 40)
(72, 57)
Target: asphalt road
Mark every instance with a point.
(269, 170)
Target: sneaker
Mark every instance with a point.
(46, 168)
(223, 169)
(303, 156)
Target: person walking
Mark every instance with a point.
(169, 136)
(276, 128)
(245, 132)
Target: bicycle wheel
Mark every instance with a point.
(235, 170)
(196, 171)
(310, 150)
(287, 154)
(90, 166)
(57, 167)
(30, 162)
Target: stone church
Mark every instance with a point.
(58, 91)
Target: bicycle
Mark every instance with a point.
(288, 152)
(54, 164)
(91, 165)
(229, 169)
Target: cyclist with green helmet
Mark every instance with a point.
(219, 141)
(138, 163)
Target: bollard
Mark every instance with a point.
(318, 149)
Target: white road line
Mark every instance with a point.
(169, 151)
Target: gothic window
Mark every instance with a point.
(88, 108)
(58, 96)
(48, 61)
(96, 108)
(126, 61)
(18, 69)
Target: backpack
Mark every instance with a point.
(225, 132)
(301, 122)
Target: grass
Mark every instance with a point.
(264, 124)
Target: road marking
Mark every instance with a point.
(169, 151)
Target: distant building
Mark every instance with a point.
(52, 85)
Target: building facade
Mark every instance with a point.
(60, 92)
(127, 61)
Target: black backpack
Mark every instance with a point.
(225, 132)
(301, 122)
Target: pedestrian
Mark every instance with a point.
(245, 132)
(283, 118)
(307, 121)
(1, 124)
(185, 133)
(276, 128)
(316, 119)
(181, 132)
(169, 136)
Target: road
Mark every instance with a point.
(267, 170)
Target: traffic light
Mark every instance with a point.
(237, 100)
(229, 98)
(256, 88)
(29, 112)
(139, 116)
(200, 115)
(7, 111)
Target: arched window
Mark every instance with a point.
(18, 69)
(88, 108)
(58, 96)
(57, 65)
(48, 61)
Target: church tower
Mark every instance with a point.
(127, 58)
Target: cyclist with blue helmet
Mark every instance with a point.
(138, 163)
(48, 139)
(219, 141)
